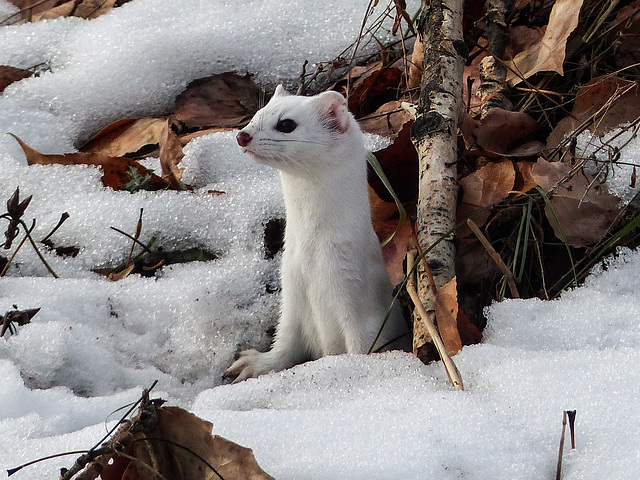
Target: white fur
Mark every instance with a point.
(335, 289)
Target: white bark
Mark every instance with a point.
(434, 134)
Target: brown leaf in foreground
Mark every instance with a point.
(503, 133)
(386, 121)
(400, 164)
(490, 183)
(8, 75)
(583, 210)
(447, 316)
(617, 99)
(32, 10)
(227, 101)
(114, 169)
(549, 53)
(126, 136)
(179, 438)
(170, 156)
(384, 217)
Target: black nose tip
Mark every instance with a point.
(243, 139)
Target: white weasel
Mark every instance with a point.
(335, 288)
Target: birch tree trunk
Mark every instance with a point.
(434, 134)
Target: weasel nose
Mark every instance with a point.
(243, 138)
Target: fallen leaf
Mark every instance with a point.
(627, 30)
(504, 133)
(369, 87)
(177, 427)
(61, 10)
(126, 136)
(583, 210)
(472, 82)
(488, 184)
(93, 8)
(124, 273)
(522, 38)
(28, 8)
(447, 316)
(524, 180)
(386, 121)
(384, 217)
(170, 156)
(227, 100)
(549, 53)
(622, 100)
(9, 75)
(399, 162)
(114, 169)
(415, 68)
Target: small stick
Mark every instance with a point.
(561, 449)
(571, 414)
(13, 255)
(135, 237)
(63, 218)
(449, 365)
(572, 423)
(508, 275)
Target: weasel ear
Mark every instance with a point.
(281, 92)
(334, 112)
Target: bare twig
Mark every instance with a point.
(508, 275)
(449, 365)
(571, 414)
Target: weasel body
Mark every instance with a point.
(335, 288)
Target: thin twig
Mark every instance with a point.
(508, 275)
(13, 255)
(450, 367)
(63, 218)
(35, 247)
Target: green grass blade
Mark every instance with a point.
(547, 201)
(373, 161)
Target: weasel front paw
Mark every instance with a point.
(251, 363)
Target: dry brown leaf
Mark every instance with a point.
(9, 75)
(447, 316)
(490, 183)
(93, 8)
(471, 75)
(594, 96)
(126, 136)
(386, 121)
(549, 53)
(628, 31)
(114, 169)
(503, 133)
(176, 426)
(584, 209)
(374, 89)
(33, 10)
(38, 6)
(415, 68)
(62, 10)
(124, 273)
(384, 217)
(170, 156)
(524, 180)
(399, 162)
(370, 86)
(226, 101)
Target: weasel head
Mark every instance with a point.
(301, 135)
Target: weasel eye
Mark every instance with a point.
(286, 126)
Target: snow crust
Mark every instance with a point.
(95, 344)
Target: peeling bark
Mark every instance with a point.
(434, 134)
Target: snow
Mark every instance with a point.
(95, 343)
